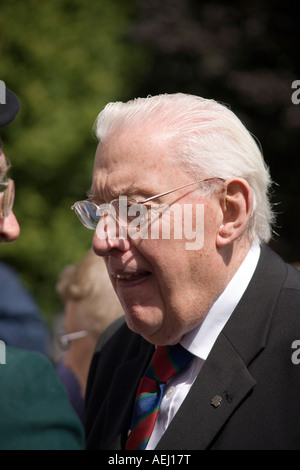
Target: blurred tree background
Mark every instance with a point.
(67, 58)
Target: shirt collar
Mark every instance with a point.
(201, 340)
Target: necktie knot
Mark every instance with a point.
(165, 363)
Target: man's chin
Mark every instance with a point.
(141, 326)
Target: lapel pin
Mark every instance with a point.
(216, 401)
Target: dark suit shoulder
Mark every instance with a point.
(293, 278)
(109, 332)
(119, 361)
(117, 345)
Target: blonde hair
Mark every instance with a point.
(88, 282)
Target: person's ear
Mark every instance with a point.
(237, 206)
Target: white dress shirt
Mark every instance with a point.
(200, 342)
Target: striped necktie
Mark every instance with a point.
(165, 363)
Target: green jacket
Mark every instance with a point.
(35, 413)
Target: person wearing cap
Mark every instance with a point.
(34, 408)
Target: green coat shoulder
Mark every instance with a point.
(34, 407)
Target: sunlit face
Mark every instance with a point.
(165, 289)
(9, 226)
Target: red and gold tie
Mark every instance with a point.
(166, 362)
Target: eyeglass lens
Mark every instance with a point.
(87, 213)
(7, 197)
(123, 210)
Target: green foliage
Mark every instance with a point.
(65, 60)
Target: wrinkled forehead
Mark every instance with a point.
(134, 150)
(138, 164)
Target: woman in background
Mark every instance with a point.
(90, 305)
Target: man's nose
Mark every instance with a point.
(9, 228)
(110, 236)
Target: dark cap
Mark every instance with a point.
(9, 105)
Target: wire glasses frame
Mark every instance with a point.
(65, 340)
(7, 197)
(90, 213)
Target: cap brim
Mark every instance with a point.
(9, 108)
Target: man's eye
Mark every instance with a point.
(135, 210)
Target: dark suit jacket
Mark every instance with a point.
(250, 367)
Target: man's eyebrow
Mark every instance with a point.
(124, 191)
(129, 191)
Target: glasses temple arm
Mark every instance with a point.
(180, 187)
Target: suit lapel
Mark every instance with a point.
(128, 376)
(225, 373)
(218, 390)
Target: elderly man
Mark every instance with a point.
(179, 204)
(34, 408)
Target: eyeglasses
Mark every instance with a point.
(90, 213)
(7, 197)
(64, 341)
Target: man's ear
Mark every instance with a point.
(237, 205)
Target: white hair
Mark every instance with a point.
(206, 138)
